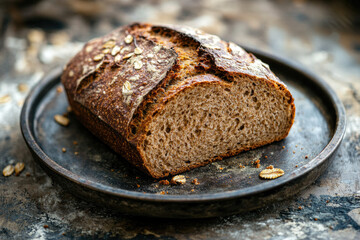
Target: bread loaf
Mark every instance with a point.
(172, 98)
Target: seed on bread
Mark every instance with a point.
(138, 51)
(271, 173)
(116, 49)
(117, 58)
(98, 57)
(106, 51)
(128, 39)
(138, 64)
(126, 89)
(109, 44)
(129, 55)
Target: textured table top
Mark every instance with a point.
(36, 38)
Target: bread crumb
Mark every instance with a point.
(195, 181)
(46, 226)
(300, 207)
(315, 219)
(257, 161)
(164, 182)
(258, 165)
(270, 167)
(266, 157)
(59, 89)
(138, 185)
(293, 152)
(75, 142)
(296, 166)
(192, 190)
(283, 147)
(306, 157)
(162, 192)
(241, 166)
(221, 168)
(63, 150)
(76, 153)
(23, 87)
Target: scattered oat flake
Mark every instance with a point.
(19, 167)
(71, 73)
(69, 109)
(164, 182)
(4, 99)
(178, 179)
(8, 170)
(23, 87)
(98, 57)
(271, 173)
(60, 119)
(76, 153)
(138, 51)
(128, 39)
(195, 181)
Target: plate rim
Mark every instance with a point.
(336, 138)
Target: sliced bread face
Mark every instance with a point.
(207, 119)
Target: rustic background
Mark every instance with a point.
(36, 36)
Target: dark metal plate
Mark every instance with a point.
(97, 174)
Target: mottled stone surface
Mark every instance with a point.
(323, 37)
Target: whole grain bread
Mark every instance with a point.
(172, 98)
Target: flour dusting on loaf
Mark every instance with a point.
(171, 98)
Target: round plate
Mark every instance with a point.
(92, 171)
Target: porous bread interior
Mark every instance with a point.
(189, 63)
(211, 120)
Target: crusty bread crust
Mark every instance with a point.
(110, 83)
